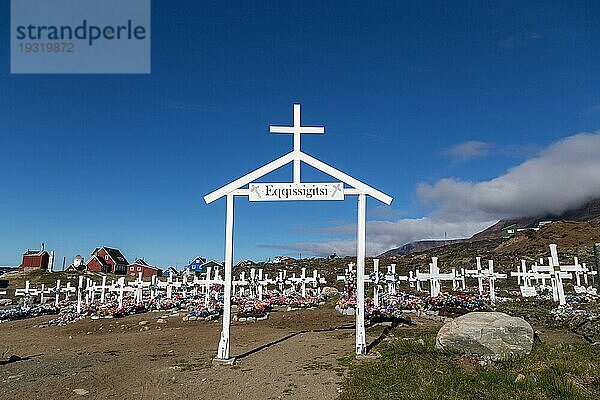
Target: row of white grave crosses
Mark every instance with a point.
(257, 284)
(554, 273)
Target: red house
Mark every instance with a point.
(108, 260)
(34, 259)
(142, 266)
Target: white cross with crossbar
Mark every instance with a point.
(297, 130)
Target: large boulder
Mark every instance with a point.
(489, 335)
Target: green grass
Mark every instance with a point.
(412, 370)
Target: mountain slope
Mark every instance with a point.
(585, 212)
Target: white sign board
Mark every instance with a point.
(528, 291)
(296, 191)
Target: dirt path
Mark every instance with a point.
(118, 358)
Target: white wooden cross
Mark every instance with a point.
(240, 284)
(121, 287)
(491, 277)
(417, 280)
(297, 130)
(79, 289)
(263, 283)
(168, 285)
(435, 277)
(556, 277)
(294, 282)
(589, 273)
(459, 283)
(525, 277)
(281, 278)
(89, 291)
(390, 278)
(253, 284)
(184, 283)
(303, 281)
(67, 290)
(349, 275)
(43, 292)
(154, 286)
(376, 281)
(56, 291)
(207, 284)
(476, 273)
(102, 289)
(542, 273)
(138, 288)
(27, 291)
(315, 281)
(577, 270)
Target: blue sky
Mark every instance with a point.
(427, 101)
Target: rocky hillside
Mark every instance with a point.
(574, 238)
(421, 245)
(586, 212)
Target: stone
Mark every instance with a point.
(161, 321)
(330, 291)
(142, 323)
(5, 302)
(520, 378)
(81, 392)
(489, 335)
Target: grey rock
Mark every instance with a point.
(5, 302)
(489, 335)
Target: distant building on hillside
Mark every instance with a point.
(141, 266)
(245, 263)
(107, 260)
(77, 266)
(34, 260)
(212, 264)
(283, 260)
(169, 271)
(509, 230)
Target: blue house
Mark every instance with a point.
(197, 265)
(170, 270)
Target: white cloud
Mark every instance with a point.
(564, 175)
(468, 150)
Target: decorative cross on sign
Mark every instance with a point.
(297, 130)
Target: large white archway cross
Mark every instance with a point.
(296, 190)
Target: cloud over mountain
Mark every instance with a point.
(564, 175)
